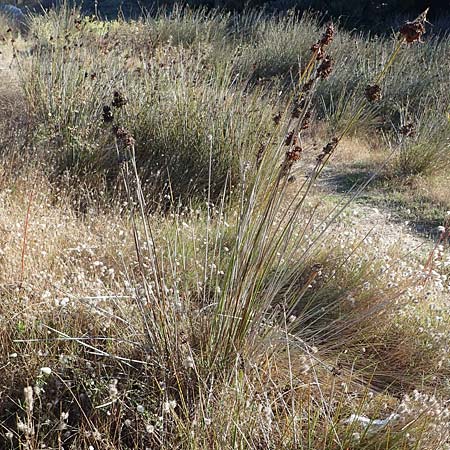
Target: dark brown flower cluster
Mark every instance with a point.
(123, 135)
(373, 93)
(328, 36)
(294, 153)
(299, 104)
(289, 139)
(408, 130)
(326, 39)
(108, 116)
(119, 100)
(306, 120)
(291, 156)
(307, 86)
(325, 68)
(328, 149)
(277, 118)
(413, 31)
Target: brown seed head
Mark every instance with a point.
(317, 48)
(289, 138)
(413, 31)
(327, 37)
(277, 118)
(294, 153)
(296, 111)
(260, 154)
(107, 114)
(373, 93)
(307, 86)
(119, 100)
(299, 105)
(408, 130)
(306, 121)
(325, 68)
(124, 135)
(328, 149)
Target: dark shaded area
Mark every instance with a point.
(378, 16)
(369, 15)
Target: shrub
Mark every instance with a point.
(179, 113)
(423, 138)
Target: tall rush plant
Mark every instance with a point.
(244, 315)
(239, 307)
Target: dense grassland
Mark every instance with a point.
(186, 261)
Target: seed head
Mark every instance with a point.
(317, 48)
(260, 154)
(373, 93)
(326, 39)
(306, 121)
(408, 130)
(107, 114)
(307, 86)
(328, 36)
(124, 135)
(119, 100)
(328, 149)
(299, 104)
(277, 118)
(291, 156)
(289, 138)
(294, 153)
(325, 68)
(413, 31)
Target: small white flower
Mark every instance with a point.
(189, 362)
(169, 406)
(441, 229)
(150, 429)
(140, 409)
(22, 427)
(173, 404)
(28, 394)
(113, 391)
(46, 371)
(166, 407)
